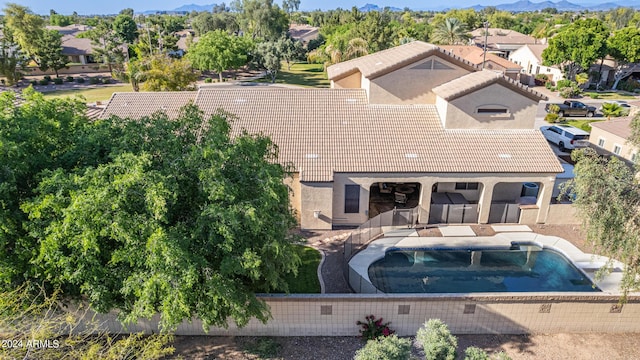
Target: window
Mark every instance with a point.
(601, 142)
(351, 199)
(467, 186)
(634, 157)
(617, 149)
(492, 111)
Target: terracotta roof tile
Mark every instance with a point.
(385, 61)
(475, 55)
(475, 81)
(136, 105)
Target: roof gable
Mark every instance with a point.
(383, 62)
(472, 82)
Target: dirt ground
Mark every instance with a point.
(592, 346)
(596, 346)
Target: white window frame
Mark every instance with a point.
(619, 147)
(601, 142)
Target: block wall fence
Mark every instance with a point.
(336, 315)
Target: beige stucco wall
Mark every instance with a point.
(294, 193)
(462, 113)
(489, 181)
(412, 86)
(349, 82)
(610, 141)
(316, 197)
(331, 315)
(563, 214)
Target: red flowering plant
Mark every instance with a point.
(373, 328)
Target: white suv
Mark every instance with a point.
(566, 137)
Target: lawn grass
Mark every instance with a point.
(581, 124)
(610, 95)
(102, 93)
(301, 74)
(307, 280)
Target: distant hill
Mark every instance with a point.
(526, 5)
(373, 7)
(182, 9)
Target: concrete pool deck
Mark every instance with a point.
(588, 263)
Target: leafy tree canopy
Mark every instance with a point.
(219, 51)
(143, 216)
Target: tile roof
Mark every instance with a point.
(471, 82)
(385, 61)
(536, 50)
(136, 105)
(322, 131)
(620, 127)
(72, 45)
(501, 36)
(475, 55)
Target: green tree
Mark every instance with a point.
(49, 51)
(25, 27)
(385, 348)
(606, 194)
(437, 340)
(184, 221)
(291, 50)
(577, 46)
(611, 109)
(261, 18)
(107, 45)
(624, 46)
(203, 23)
(450, 32)
(269, 57)
(12, 61)
(219, 51)
(125, 28)
(163, 73)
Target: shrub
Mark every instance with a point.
(264, 347)
(561, 84)
(58, 81)
(106, 81)
(80, 80)
(544, 77)
(385, 348)
(554, 108)
(47, 77)
(552, 118)
(69, 79)
(94, 80)
(437, 341)
(548, 85)
(372, 328)
(33, 82)
(208, 80)
(570, 92)
(475, 353)
(594, 96)
(43, 82)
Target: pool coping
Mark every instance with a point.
(587, 263)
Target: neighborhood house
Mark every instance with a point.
(411, 127)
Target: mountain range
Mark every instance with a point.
(518, 6)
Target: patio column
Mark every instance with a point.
(425, 201)
(484, 203)
(544, 199)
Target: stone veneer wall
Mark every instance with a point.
(336, 315)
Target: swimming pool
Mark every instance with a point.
(515, 269)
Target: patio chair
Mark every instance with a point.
(400, 198)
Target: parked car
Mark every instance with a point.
(566, 137)
(573, 108)
(626, 108)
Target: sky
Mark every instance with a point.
(88, 7)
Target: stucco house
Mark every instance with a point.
(500, 41)
(612, 136)
(530, 58)
(476, 56)
(412, 127)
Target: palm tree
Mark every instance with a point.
(355, 48)
(450, 32)
(611, 109)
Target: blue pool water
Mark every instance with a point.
(524, 269)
